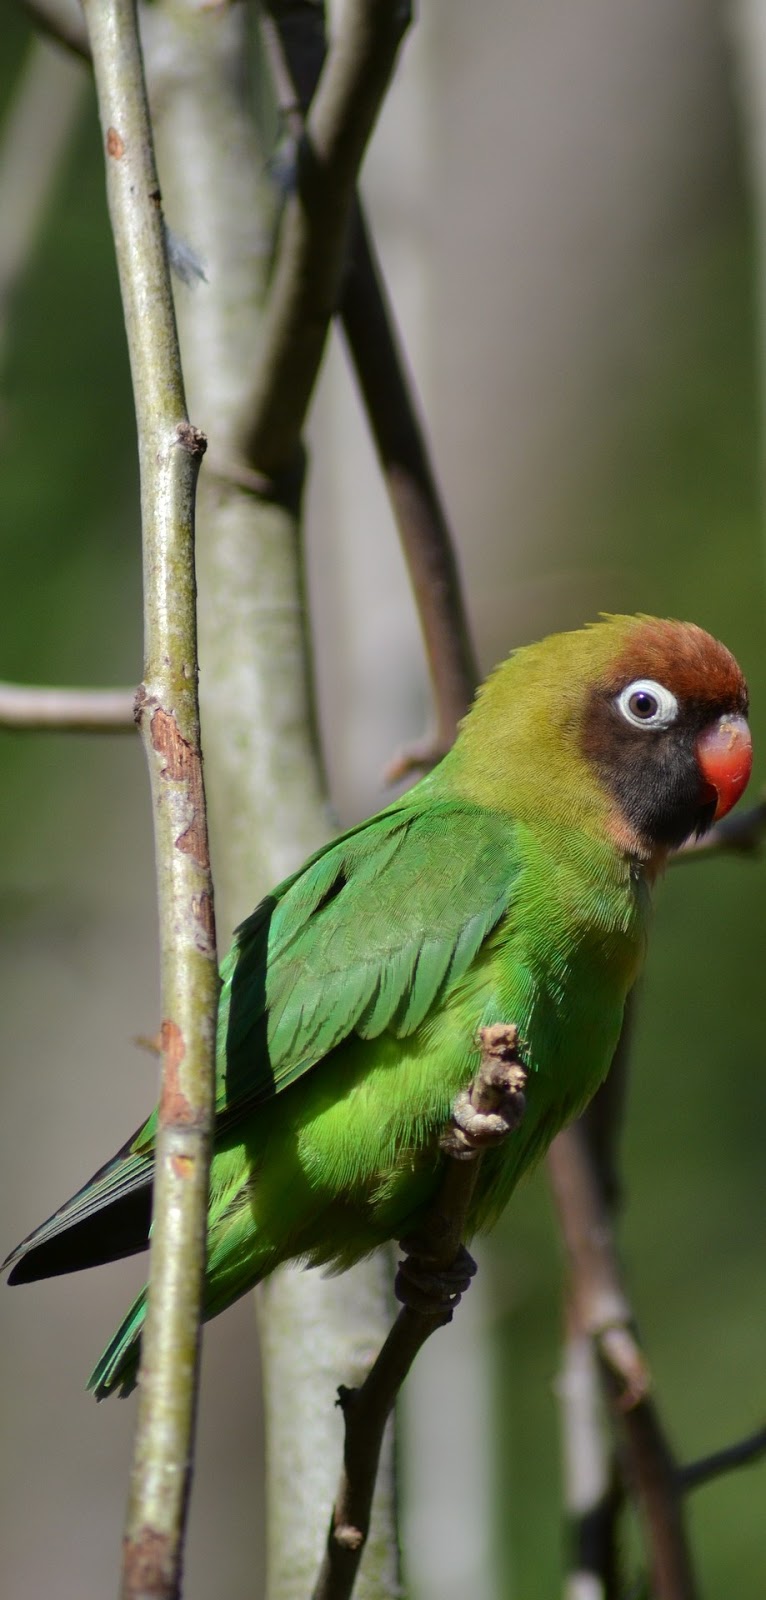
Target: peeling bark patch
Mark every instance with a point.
(348, 1537)
(174, 1106)
(191, 438)
(183, 1166)
(202, 910)
(115, 144)
(148, 1564)
(183, 765)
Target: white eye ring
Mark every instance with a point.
(659, 708)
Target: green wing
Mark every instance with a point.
(364, 939)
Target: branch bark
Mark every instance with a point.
(170, 450)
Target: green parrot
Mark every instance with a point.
(511, 885)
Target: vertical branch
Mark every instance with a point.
(167, 712)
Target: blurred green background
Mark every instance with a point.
(582, 311)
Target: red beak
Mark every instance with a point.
(725, 758)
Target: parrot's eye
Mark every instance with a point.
(646, 704)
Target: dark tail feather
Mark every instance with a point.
(107, 1219)
(121, 1231)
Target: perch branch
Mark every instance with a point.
(311, 250)
(26, 706)
(430, 1281)
(167, 711)
(604, 1311)
(368, 324)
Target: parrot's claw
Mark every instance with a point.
(430, 1290)
(493, 1105)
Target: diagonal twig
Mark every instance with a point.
(419, 511)
(63, 20)
(745, 1453)
(296, 43)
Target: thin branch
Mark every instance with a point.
(26, 706)
(740, 834)
(297, 51)
(421, 517)
(170, 450)
(604, 1311)
(311, 250)
(63, 21)
(745, 1453)
(486, 1112)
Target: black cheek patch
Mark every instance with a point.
(652, 775)
(657, 786)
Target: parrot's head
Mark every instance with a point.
(634, 727)
(666, 731)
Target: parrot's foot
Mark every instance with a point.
(493, 1105)
(432, 1290)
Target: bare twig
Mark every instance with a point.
(484, 1114)
(314, 234)
(740, 834)
(169, 452)
(63, 20)
(604, 1312)
(296, 49)
(418, 508)
(745, 1453)
(27, 706)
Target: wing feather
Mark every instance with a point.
(364, 939)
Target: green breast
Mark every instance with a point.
(560, 966)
